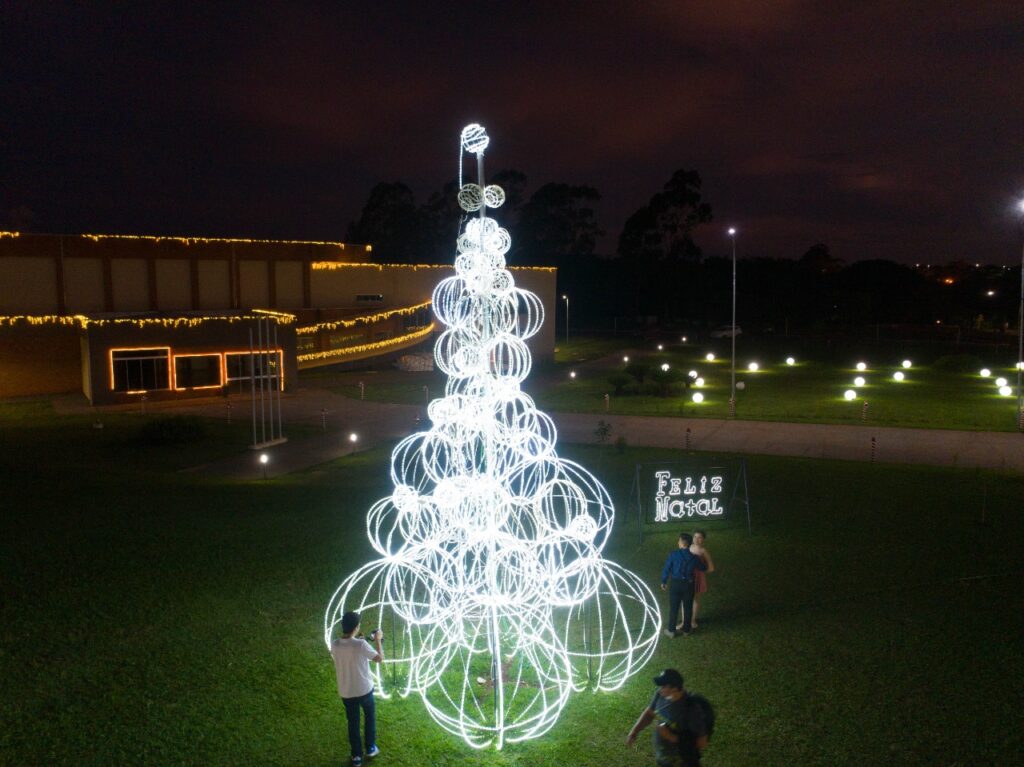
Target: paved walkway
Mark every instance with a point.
(377, 424)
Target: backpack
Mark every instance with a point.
(706, 708)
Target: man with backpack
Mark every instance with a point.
(684, 722)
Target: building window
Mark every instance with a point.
(197, 371)
(267, 364)
(369, 298)
(138, 370)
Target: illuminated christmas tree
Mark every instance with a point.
(491, 588)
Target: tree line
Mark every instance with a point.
(658, 275)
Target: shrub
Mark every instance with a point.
(172, 430)
(620, 381)
(638, 370)
(602, 432)
(664, 380)
(958, 363)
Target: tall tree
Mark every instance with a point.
(441, 217)
(391, 223)
(558, 225)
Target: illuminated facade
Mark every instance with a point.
(119, 317)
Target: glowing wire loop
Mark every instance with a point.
(491, 586)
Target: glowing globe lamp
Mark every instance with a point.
(849, 394)
(985, 373)
(1000, 381)
(740, 385)
(664, 366)
(790, 361)
(752, 367)
(683, 339)
(709, 357)
(572, 374)
(1006, 391)
(353, 437)
(692, 374)
(660, 347)
(698, 381)
(907, 363)
(625, 359)
(698, 397)
(862, 366)
(858, 381)
(898, 375)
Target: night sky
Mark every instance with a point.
(884, 129)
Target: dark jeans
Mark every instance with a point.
(680, 591)
(352, 706)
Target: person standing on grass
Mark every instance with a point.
(700, 577)
(682, 732)
(352, 657)
(677, 579)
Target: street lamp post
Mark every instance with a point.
(566, 299)
(732, 396)
(1020, 330)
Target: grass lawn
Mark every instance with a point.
(810, 391)
(151, 617)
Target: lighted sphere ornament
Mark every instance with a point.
(862, 366)
(898, 375)
(698, 381)
(698, 397)
(1000, 381)
(709, 357)
(985, 372)
(1006, 391)
(849, 394)
(490, 581)
(790, 361)
(907, 363)
(753, 367)
(664, 367)
(692, 374)
(740, 385)
(858, 381)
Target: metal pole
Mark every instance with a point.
(279, 365)
(252, 385)
(732, 397)
(566, 298)
(1020, 336)
(262, 360)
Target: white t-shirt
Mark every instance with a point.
(352, 666)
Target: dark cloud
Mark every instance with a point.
(885, 129)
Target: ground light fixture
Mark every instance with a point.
(907, 363)
(898, 375)
(859, 381)
(790, 361)
(1001, 381)
(698, 381)
(664, 366)
(740, 385)
(862, 366)
(572, 374)
(661, 347)
(625, 359)
(709, 357)
(985, 372)
(683, 339)
(1006, 391)
(752, 367)
(264, 460)
(697, 397)
(849, 395)
(692, 374)
(353, 437)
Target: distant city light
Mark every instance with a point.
(859, 381)
(698, 397)
(985, 373)
(1006, 391)
(790, 361)
(752, 367)
(850, 394)
(907, 363)
(898, 375)
(709, 357)
(862, 366)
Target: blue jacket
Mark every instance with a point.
(680, 566)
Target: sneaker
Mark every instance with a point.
(373, 751)
(357, 761)
(670, 633)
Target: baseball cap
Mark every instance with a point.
(669, 677)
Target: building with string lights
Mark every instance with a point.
(122, 317)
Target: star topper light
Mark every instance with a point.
(490, 586)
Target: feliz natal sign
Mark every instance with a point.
(691, 495)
